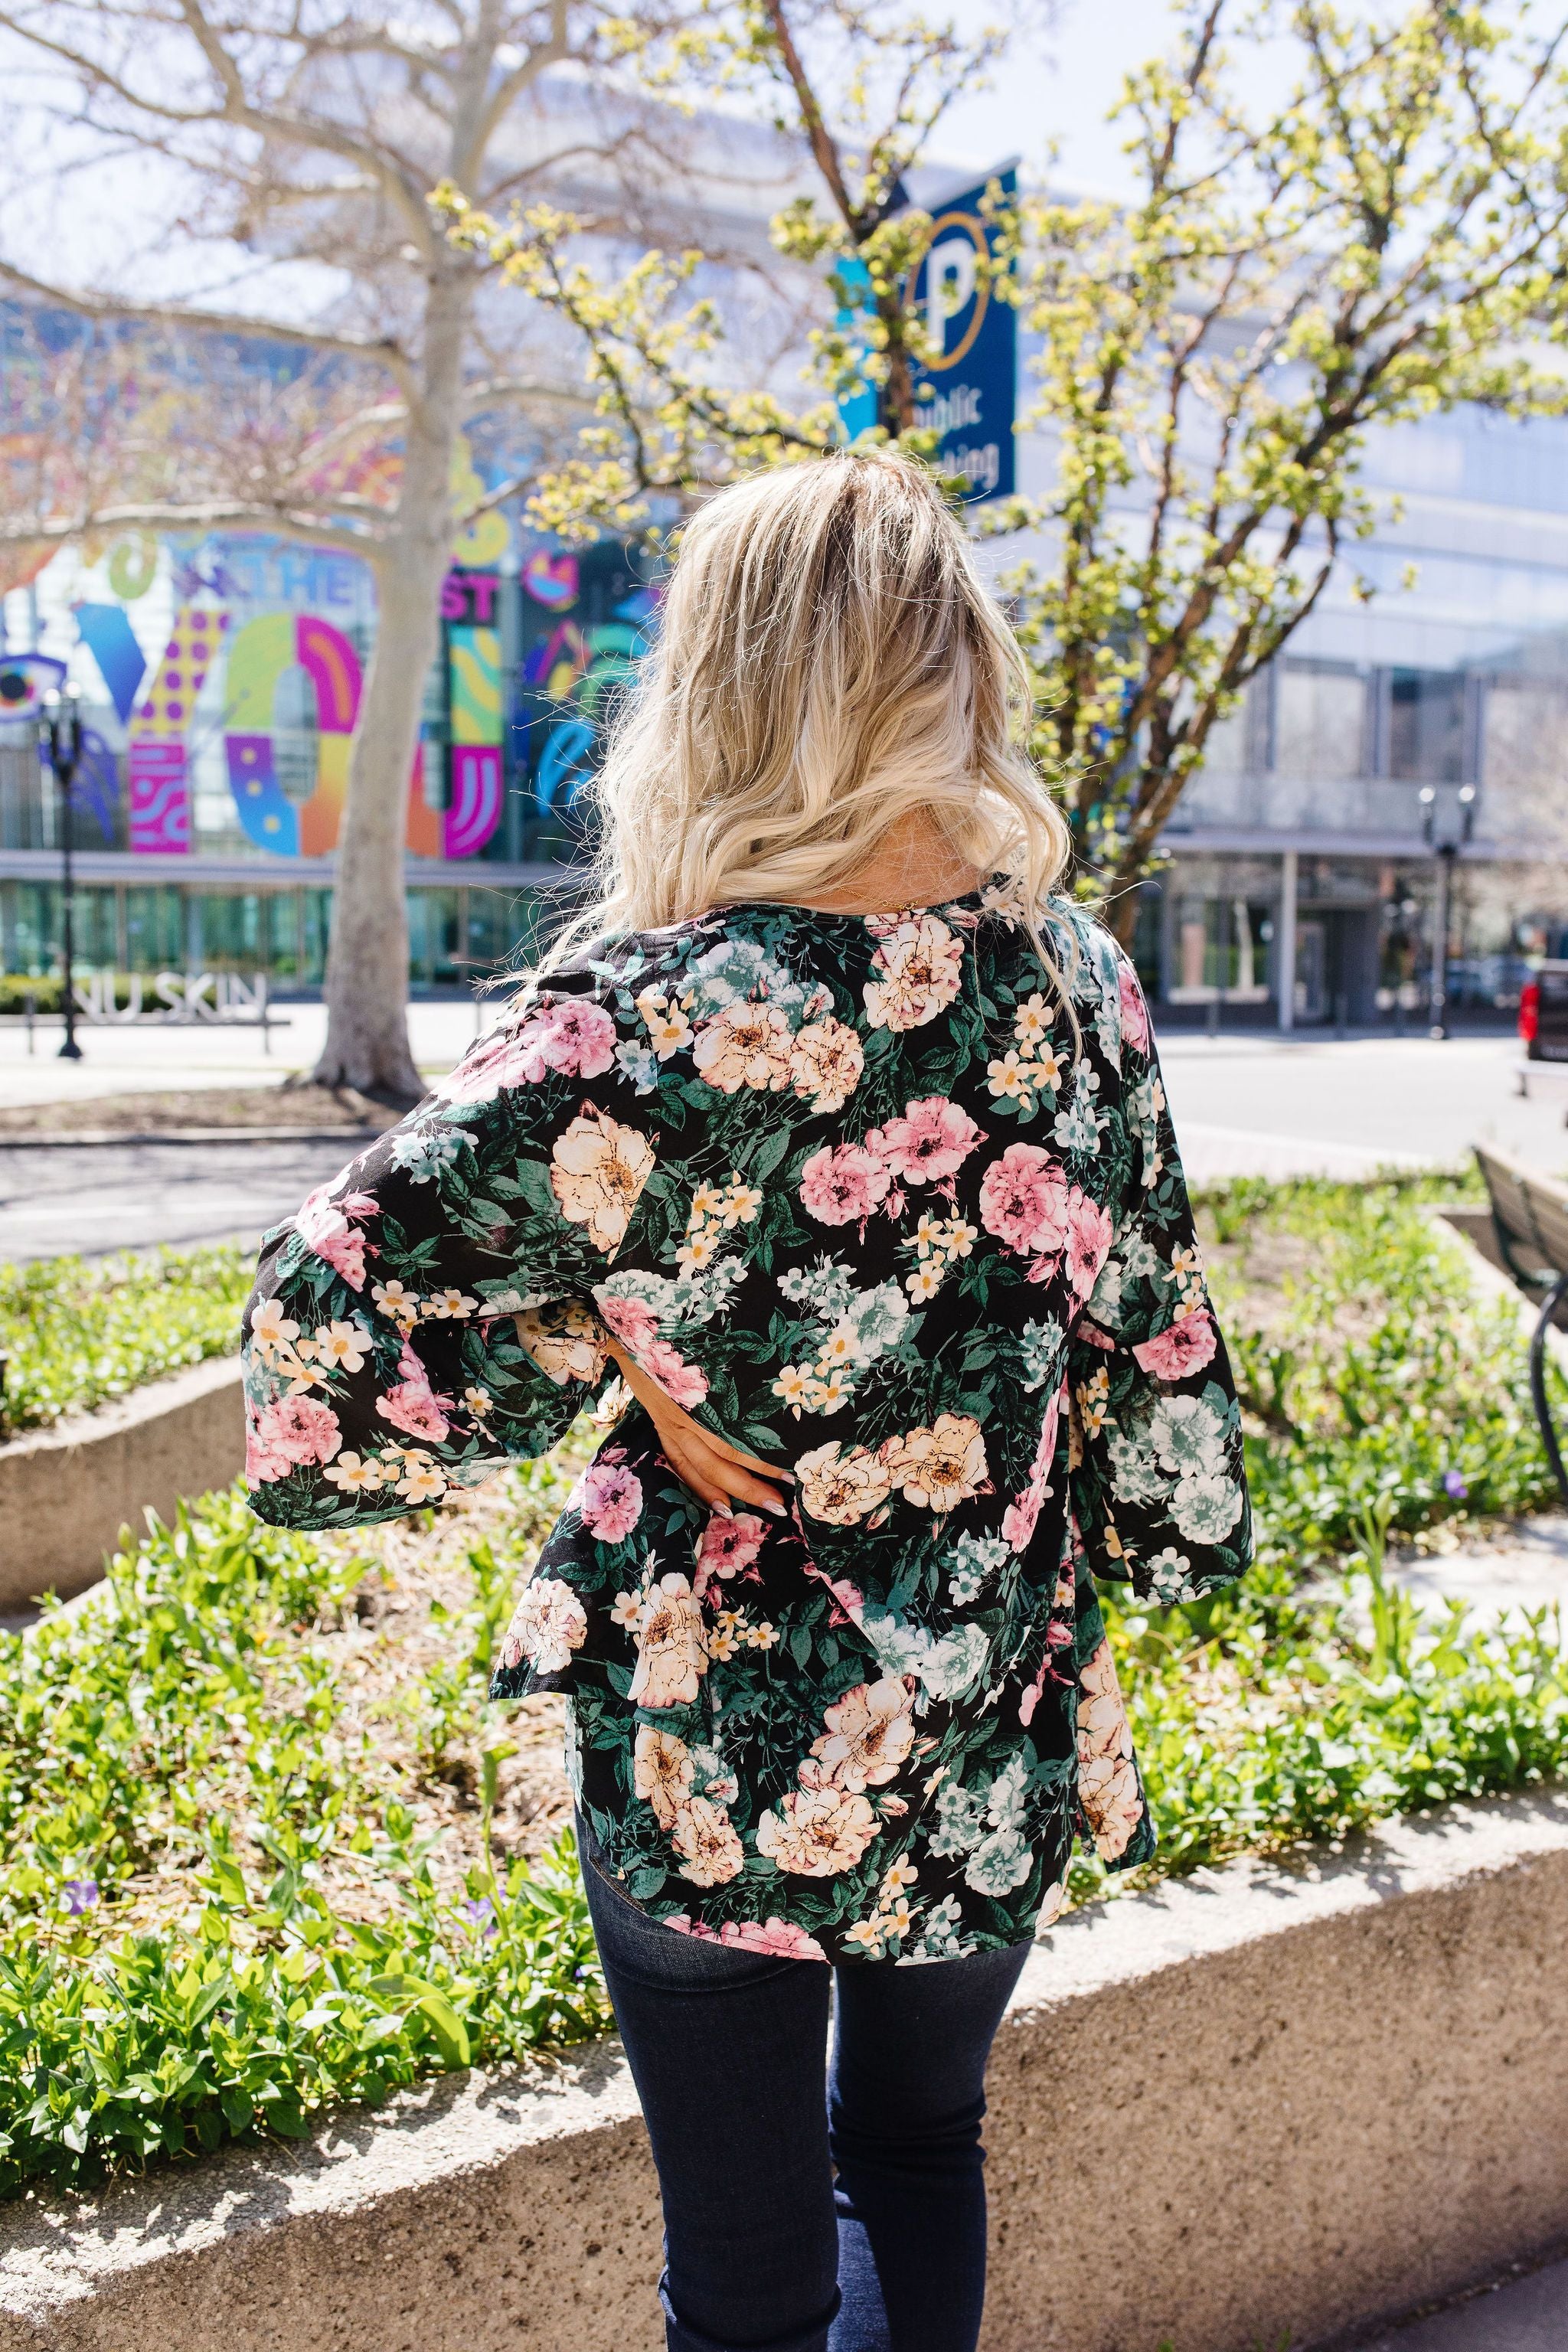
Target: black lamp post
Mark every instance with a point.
(1445, 852)
(60, 739)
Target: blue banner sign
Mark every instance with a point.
(968, 396)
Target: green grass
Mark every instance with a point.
(76, 1332)
(252, 1795)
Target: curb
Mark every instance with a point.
(1308, 2093)
(67, 1491)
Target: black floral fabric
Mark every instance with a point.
(889, 1201)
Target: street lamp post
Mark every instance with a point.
(59, 735)
(1445, 852)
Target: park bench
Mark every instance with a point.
(1530, 1221)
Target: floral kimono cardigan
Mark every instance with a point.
(859, 1194)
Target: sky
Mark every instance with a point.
(1061, 86)
(105, 225)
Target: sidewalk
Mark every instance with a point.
(1524, 2314)
(157, 1060)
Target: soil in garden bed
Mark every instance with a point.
(280, 1108)
(402, 1657)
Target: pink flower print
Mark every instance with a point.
(728, 1545)
(263, 1459)
(685, 1926)
(322, 1227)
(574, 1037)
(1024, 1199)
(684, 1383)
(1134, 1012)
(930, 1142)
(629, 1318)
(300, 1429)
(1184, 1349)
(609, 1501)
(849, 1601)
(842, 1184)
(1019, 1518)
(1089, 1241)
(779, 1936)
(412, 1408)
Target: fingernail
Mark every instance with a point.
(774, 1506)
(721, 1510)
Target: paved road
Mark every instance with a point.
(1528, 2315)
(1262, 1106)
(1271, 1107)
(96, 1200)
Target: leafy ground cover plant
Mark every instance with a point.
(262, 1849)
(265, 1847)
(1367, 1365)
(75, 1331)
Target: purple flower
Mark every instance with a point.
(1454, 1485)
(80, 1894)
(482, 1912)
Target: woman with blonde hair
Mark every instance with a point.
(842, 1139)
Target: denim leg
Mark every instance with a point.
(728, 2050)
(906, 2100)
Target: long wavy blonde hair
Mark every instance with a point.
(828, 662)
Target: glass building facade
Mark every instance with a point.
(221, 678)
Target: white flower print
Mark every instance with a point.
(960, 1820)
(422, 1154)
(1077, 1129)
(999, 1863)
(916, 966)
(1135, 1473)
(672, 1655)
(817, 1832)
(548, 1624)
(1170, 1577)
(1043, 1346)
(1188, 1435)
(1205, 1508)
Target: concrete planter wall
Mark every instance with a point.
(1304, 2095)
(66, 1492)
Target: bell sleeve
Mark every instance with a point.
(1157, 1472)
(428, 1315)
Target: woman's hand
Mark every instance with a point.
(713, 1468)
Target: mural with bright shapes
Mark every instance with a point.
(157, 763)
(260, 655)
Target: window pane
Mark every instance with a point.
(1320, 722)
(1427, 726)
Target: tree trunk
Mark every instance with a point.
(367, 1043)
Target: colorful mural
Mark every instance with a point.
(260, 655)
(584, 629)
(157, 759)
(224, 675)
(25, 679)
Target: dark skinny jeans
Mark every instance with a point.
(763, 2251)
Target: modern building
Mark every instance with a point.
(1305, 861)
(221, 677)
